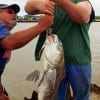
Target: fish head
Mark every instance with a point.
(54, 51)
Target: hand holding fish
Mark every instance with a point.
(39, 7)
(46, 21)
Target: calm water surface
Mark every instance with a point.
(95, 46)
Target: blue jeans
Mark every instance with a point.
(79, 78)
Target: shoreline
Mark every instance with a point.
(25, 21)
(96, 21)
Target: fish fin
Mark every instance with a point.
(33, 76)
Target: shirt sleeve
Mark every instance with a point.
(3, 31)
(39, 45)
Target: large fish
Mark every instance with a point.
(52, 62)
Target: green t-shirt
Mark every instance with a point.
(74, 37)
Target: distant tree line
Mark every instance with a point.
(30, 18)
(98, 17)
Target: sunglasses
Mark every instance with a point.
(9, 11)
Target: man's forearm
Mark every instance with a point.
(20, 38)
(79, 12)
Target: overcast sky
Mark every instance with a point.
(95, 3)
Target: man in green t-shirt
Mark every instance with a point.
(71, 23)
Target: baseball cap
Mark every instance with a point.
(15, 7)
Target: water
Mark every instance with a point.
(95, 46)
(22, 63)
